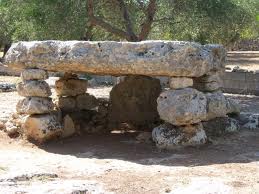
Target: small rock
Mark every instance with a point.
(182, 107)
(69, 127)
(219, 126)
(180, 82)
(232, 106)
(34, 74)
(34, 88)
(167, 136)
(34, 105)
(216, 105)
(207, 87)
(66, 103)
(42, 127)
(11, 129)
(145, 137)
(86, 102)
(252, 122)
(70, 87)
(7, 87)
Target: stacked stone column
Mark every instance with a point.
(41, 122)
(187, 107)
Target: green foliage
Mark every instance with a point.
(210, 21)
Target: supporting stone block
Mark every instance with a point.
(42, 127)
(34, 74)
(70, 87)
(180, 82)
(182, 107)
(86, 102)
(208, 83)
(35, 105)
(34, 88)
(168, 136)
(66, 103)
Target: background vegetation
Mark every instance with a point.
(210, 21)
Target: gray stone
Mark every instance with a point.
(152, 58)
(167, 136)
(180, 82)
(66, 103)
(34, 105)
(182, 107)
(232, 106)
(206, 87)
(134, 101)
(70, 87)
(219, 126)
(42, 127)
(86, 102)
(216, 105)
(34, 74)
(33, 88)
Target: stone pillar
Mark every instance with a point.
(74, 102)
(187, 107)
(42, 122)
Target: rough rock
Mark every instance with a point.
(70, 87)
(86, 102)
(216, 105)
(134, 101)
(182, 107)
(219, 126)
(34, 74)
(69, 127)
(252, 121)
(2, 125)
(34, 105)
(232, 106)
(66, 103)
(208, 83)
(33, 88)
(152, 58)
(180, 82)
(11, 129)
(7, 87)
(167, 136)
(206, 87)
(42, 127)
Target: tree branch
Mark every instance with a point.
(97, 21)
(129, 26)
(146, 26)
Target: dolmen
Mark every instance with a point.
(193, 99)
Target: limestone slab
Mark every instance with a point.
(152, 58)
(34, 74)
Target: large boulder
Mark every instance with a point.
(34, 74)
(70, 87)
(33, 88)
(182, 107)
(42, 127)
(151, 58)
(168, 136)
(34, 105)
(134, 100)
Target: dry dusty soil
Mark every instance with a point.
(118, 163)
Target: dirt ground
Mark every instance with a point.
(118, 163)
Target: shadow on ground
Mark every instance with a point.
(241, 147)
